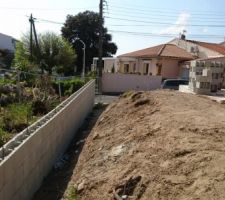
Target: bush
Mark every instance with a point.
(6, 81)
(68, 87)
(4, 137)
(39, 107)
(16, 117)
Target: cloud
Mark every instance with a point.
(179, 25)
(205, 30)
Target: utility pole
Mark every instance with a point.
(33, 30)
(31, 20)
(100, 45)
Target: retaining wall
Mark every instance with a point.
(117, 83)
(28, 158)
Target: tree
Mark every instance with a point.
(86, 26)
(55, 53)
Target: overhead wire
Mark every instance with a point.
(171, 11)
(166, 23)
(164, 35)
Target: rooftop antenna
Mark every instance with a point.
(183, 35)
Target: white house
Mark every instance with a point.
(7, 42)
(110, 64)
(200, 49)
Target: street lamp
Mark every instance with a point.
(84, 47)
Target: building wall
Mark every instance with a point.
(203, 52)
(170, 68)
(36, 149)
(7, 42)
(118, 83)
(108, 63)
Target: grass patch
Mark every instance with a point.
(14, 118)
(71, 193)
(127, 94)
(4, 137)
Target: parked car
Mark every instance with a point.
(174, 83)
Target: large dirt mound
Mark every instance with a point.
(155, 145)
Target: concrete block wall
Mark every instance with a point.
(29, 156)
(117, 83)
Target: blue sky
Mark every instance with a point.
(133, 24)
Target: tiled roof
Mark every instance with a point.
(212, 46)
(211, 58)
(163, 50)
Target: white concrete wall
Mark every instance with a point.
(7, 42)
(116, 83)
(34, 151)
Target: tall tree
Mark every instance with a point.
(86, 26)
(56, 53)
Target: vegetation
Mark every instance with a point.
(86, 26)
(22, 103)
(68, 87)
(71, 193)
(31, 91)
(55, 54)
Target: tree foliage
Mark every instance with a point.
(86, 26)
(55, 53)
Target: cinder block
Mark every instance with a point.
(7, 192)
(2, 177)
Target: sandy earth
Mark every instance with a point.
(155, 145)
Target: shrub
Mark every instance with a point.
(39, 107)
(16, 117)
(4, 137)
(68, 87)
(6, 81)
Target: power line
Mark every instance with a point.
(147, 24)
(44, 9)
(161, 16)
(166, 18)
(49, 21)
(164, 35)
(169, 24)
(147, 9)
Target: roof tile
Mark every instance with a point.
(163, 50)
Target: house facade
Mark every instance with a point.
(110, 64)
(7, 49)
(200, 49)
(166, 60)
(7, 42)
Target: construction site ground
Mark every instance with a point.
(149, 146)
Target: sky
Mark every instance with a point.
(134, 24)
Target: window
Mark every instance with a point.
(213, 88)
(146, 68)
(215, 75)
(134, 67)
(204, 85)
(199, 73)
(159, 69)
(126, 68)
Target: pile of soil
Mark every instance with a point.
(155, 145)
